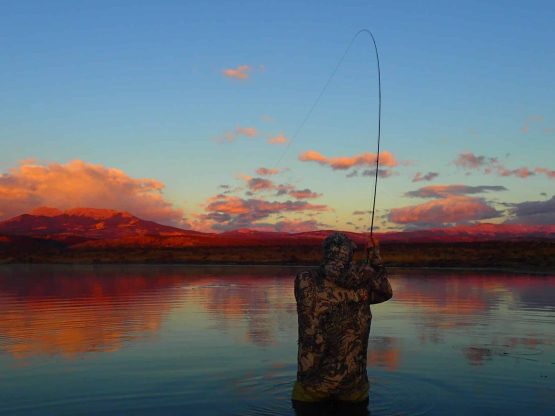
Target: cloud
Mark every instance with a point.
(228, 189)
(419, 177)
(260, 184)
(81, 184)
(362, 212)
(230, 212)
(304, 194)
(247, 131)
(256, 185)
(382, 173)
(444, 211)
(547, 172)
(267, 171)
(442, 191)
(347, 162)
(284, 189)
(534, 212)
(279, 139)
(451, 206)
(241, 72)
(468, 160)
(230, 136)
(530, 120)
(523, 172)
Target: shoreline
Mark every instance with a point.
(393, 269)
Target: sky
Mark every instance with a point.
(191, 113)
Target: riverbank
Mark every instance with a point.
(511, 255)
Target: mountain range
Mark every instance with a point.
(102, 228)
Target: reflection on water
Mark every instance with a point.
(222, 340)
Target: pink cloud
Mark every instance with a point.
(490, 165)
(523, 172)
(81, 184)
(469, 160)
(230, 136)
(449, 210)
(247, 131)
(230, 212)
(256, 185)
(279, 139)
(260, 184)
(346, 162)
(267, 171)
(241, 72)
(304, 194)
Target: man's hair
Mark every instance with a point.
(337, 239)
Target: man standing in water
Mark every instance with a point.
(333, 307)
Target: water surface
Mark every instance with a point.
(222, 340)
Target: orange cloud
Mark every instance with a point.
(279, 139)
(346, 162)
(449, 210)
(547, 172)
(241, 72)
(81, 184)
(247, 131)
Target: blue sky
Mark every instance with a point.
(138, 86)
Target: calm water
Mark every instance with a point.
(222, 340)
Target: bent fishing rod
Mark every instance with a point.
(315, 104)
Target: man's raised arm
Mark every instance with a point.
(380, 288)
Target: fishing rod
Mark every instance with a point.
(315, 104)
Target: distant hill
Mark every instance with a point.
(80, 224)
(104, 228)
(85, 235)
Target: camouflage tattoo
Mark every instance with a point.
(333, 307)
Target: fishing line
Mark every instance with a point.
(315, 104)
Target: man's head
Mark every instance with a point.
(338, 249)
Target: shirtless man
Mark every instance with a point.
(333, 307)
